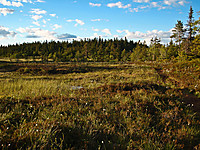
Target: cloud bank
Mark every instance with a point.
(6, 11)
(119, 5)
(78, 22)
(66, 36)
(41, 34)
(94, 5)
(5, 32)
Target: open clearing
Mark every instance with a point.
(99, 106)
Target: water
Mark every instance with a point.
(77, 87)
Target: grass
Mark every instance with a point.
(98, 106)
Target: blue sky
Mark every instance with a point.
(39, 20)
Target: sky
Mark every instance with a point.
(39, 20)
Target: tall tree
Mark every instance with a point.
(195, 48)
(155, 48)
(190, 25)
(178, 32)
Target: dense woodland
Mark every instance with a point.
(185, 44)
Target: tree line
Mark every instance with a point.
(186, 46)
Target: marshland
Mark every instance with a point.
(99, 105)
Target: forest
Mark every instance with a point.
(184, 45)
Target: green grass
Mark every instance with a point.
(97, 106)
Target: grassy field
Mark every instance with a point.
(100, 106)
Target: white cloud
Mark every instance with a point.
(94, 5)
(154, 4)
(96, 30)
(56, 26)
(5, 3)
(13, 3)
(141, 1)
(106, 31)
(96, 35)
(139, 8)
(6, 11)
(171, 2)
(165, 4)
(119, 5)
(24, 1)
(2, 38)
(21, 30)
(36, 23)
(157, 5)
(133, 9)
(39, 1)
(5, 32)
(16, 4)
(120, 31)
(44, 21)
(181, 3)
(38, 11)
(70, 20)
(164, 35)
(160, 5)
(66, 36)
(38, 33)
(78, 22)
(52, 15)
(174, 2)
(96, 20)
(36, 17)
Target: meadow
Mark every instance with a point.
(144, 105)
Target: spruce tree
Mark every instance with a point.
(178, 32)
(154, 48)
(190, 25)
(195, 48)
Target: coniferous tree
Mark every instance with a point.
(172, 51)
(124, 56)
(195, 48)
(190, 25)
(136, 54)
(154, 48)
(178, 32)
(186, 44)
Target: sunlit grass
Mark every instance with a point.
(31, 86)
(125, 107)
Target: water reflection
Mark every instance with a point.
(76, 87)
